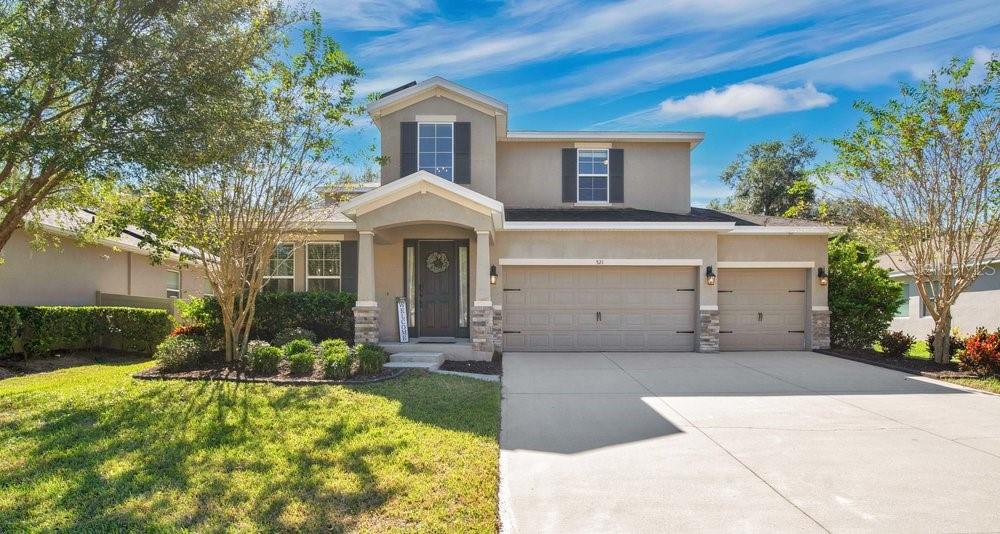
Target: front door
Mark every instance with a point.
(437, 288)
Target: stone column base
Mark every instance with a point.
(708, 331)
(820, 329)
(482, 328)
(498, 328)
(366, 324)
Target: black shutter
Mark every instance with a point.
(616, 175)
(349, 266)
(463, 153)
(569, 175)
(407, 148)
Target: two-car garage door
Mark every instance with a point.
(599, 308)
(615, 308)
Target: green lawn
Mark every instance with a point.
(991, 384)
(919, 351)
(91, 449)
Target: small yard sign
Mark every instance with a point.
(404, 329)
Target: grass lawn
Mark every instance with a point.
(986, 384)
(91, 449)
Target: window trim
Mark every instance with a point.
(179, 285)
(606, 176)
(268, 278)
(906, 302)
(452, 151)
(340, 249)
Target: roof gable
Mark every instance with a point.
(437, 86)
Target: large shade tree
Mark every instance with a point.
(925, 169)
(771, 178)
(96, 91)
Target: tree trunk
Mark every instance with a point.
(942, 338)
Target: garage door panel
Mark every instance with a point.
(762, 309)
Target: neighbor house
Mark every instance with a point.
(978, 305)
(115, 271)
(553, 241)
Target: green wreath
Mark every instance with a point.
(437, 262)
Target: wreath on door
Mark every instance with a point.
(437, 262)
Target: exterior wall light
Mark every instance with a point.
(709, 276)
(493, 275)
(823, 278)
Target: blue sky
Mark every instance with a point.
(739, 70)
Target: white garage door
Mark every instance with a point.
(599, 308)
(762, 309)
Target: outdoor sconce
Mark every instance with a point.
(823, 278)
(709, 276)
(493, 275)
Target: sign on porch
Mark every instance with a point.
(404, 329)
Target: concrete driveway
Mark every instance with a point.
(768, 441)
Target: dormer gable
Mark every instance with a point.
(437, 86)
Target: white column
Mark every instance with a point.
(483, 268)
(366, 268)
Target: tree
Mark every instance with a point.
(771, 178)
(863, 299)
(924, 168)
(235, 213)
(96, 91)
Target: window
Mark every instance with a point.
(173, 284)
(463, 286)
(592, 175)
(904, 308)
(435, 148)
(323, 266)
(281, 269)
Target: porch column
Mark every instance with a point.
(482, 307)
(366, 313)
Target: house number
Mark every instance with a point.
(599, 262)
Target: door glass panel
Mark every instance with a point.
(411, 285)
(463, 286)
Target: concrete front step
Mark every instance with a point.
(430, 366)
(452, 351)
(417, 357)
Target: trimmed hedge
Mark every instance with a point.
(43, 329)
(328, 314)
(10, 324)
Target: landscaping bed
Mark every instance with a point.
(284, 376)
(920, 366)
(476, 367)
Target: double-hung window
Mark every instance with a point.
(436, 149)
(323, 266)
(592, 175)
(173, 284)
(281, 269)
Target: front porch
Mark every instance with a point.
(426, 243)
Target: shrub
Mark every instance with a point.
(863, 299)
(263, 359)
(337, 360)
(370, 359)
(896, 344)
(291, 334)
(298, 346)
(177, 353)
(10, 323)
(982, 353)
(189, 330)
(956, 343)
(327, 313)
(302, 363)
(48, 328)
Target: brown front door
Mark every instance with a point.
(437, 289)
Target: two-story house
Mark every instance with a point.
(556, 241)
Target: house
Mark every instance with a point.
(115, 271)
(554, 241)
(978, 305)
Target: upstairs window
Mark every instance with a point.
(323, 266)
(436, 149)
(592, 175)
(281, 269)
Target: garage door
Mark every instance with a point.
(762, 309)
(599, 308)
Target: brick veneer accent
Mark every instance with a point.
(366, 324)
(482, 329)
(821, 329)
(708, 331)
(498, 328)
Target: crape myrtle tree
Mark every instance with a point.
(925, 169)
(93, 92)
(234, 214)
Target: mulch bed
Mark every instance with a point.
(236, 373)
(476, 367)
(18, 367)
(927, 368)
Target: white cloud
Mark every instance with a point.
(743, 101)
(372, 14)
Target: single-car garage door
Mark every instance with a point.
(599, 308)
(762, 309)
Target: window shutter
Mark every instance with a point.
(616, 175)
(407, 148)
(463, 152)
(569, 175)
(349, 266)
